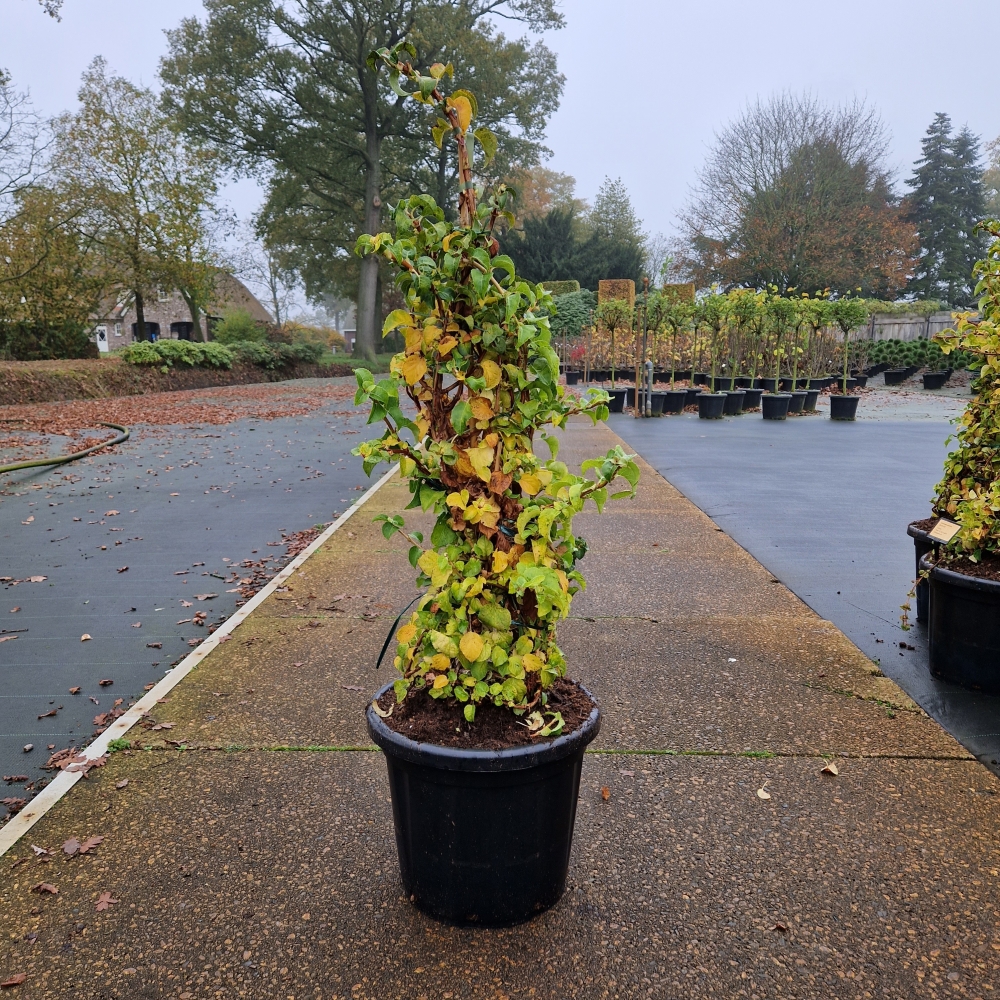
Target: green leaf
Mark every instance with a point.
(460, 416)
(488, 141)
(414, 555)
(469, 711)
(470, 97)
(442, 535)
(396, 319)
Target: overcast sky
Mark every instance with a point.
(648, 82)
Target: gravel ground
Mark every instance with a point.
(201, 501)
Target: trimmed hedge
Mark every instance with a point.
(561, 287)
(167, 353)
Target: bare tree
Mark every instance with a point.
(23, 142)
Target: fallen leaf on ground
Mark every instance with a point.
(225, 638)
(111, 513)
(44, 887)
(148, 687)
(186, 604)
(84, 637)
(830, 768)
(154, 645)
(39, 851)
(351, 687)
(175, 494)
(30, 519)
(37, 579)
(605, 793)
(90, 843)
(763, 793)
(298, 664)
(13, 805)
(74, 690)
(28, 747)
(14, 980)
(136, 624)
(163, 725)
(49, 714)
(123, 569)
(122, 784)
(779, 927)
(204, 597)
(106, 682)
(104, 901)
(7, 638)
(379, 711)
(14, 611)
(93, 699)
(71, 847)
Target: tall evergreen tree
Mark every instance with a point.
(948, 200)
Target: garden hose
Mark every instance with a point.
(62, 459)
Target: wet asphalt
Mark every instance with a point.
(178, 509)
(824, 505)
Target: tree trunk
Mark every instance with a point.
(195, 316)
(140, 317)
(367, 335)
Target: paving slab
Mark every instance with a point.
(269, 875)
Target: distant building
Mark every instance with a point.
(168, 317)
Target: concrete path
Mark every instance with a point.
(254, 856)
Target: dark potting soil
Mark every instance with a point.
(426, 720)
(987, 569)
(925, 525)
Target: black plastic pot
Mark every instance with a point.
(751, 399)
(843, 407)
(572, 378)
(774, 406)
(656, 403)
(734, 402)
(861, 381)
(711, 405)
(742, 382)
(809, 406)
(797, 401)
(674, 400)
(768, 384)
(786, 383)
(816, 383)
(912, 370)
(935, 380)
(838, 383)
(922, 544)
(893, 376)
(964, 628)
(692, 396)
(721, 384)
(681, 375)
(699, 378)
(630, 396)
(617, 401)
(483, 836)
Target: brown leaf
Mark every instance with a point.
(83, 638)
(830, 768)
(7, 638)
(90, 843)
(111, 513)
(499, 483)
(14, 611)
(44, 887)
(14, 805)
(37, 579)
(14, 980)
(153, 645)
(136, 624)
(74, 690)
(105, 900)
(186, 604)
(122, 784)
(148, 687)
(50, 713)
(107, 682)
(779, 927)
(71, 847)
(204, 597)
(123, 569)
(605, 793)
(163, 725)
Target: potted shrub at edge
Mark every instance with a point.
(964, 575)
(482, 732)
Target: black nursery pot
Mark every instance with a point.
(733, 406)
(935, 380)
(656, 402)
(742, 382)
(774, 406)
(572, 378)
(617, 402)
(751, 399)
(674, 400)
(893, 376)
(483, 836)
(964, 628)
(692, 396)
(922, 544)
(721, 384)
(699, 378)
(798, 400)
(711, 405)
(817, 383)
(809, 406)
(843, 407)
(768, 384)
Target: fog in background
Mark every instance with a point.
(647, 82)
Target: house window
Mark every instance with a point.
(118, 329)
(162, 295)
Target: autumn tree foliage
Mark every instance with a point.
(796, 195)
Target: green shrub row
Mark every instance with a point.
(167, 353)
(926, 353)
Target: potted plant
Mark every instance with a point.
(964, 574)
(613, 316)
(482, 731)
(848, 314)
(675, 313)
(774, 403)
(710, 312)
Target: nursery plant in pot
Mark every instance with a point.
(848, 314)
(710, 314)
(482, 731)
(964, 574)
(774, 404)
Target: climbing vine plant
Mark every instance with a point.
(478, 367)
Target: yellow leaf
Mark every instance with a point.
(431, 335)
(763, 793)
(414, 368)
(428, 562)
(447, 345)
(407, 633)
(491, 374)
(530, 484)
(464, 111)
(471, 646)
(500, 561)
(481, 408)
(463, 466)
(440, 663)
(440, 681)
(481, 458)
(531, 662)
(458, 499)
(396, 319)
(414, 338)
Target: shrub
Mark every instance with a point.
(141, 353)
(557, 288)
(252, 352)
(572, 313)
(336, 342)
(478, 366)
(237, 325)
(169, 352)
